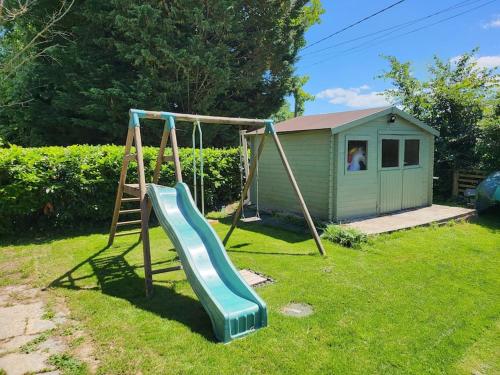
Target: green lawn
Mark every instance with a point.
(420, 301)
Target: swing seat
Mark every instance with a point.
(250, 219)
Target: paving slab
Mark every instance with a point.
(20, 363)
(15, 343)
(13, 318)
(252, 278)
(22, 310)
(410, 218)
(52, 345)
(38, 325)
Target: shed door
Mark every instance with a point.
(402, 178)
(391, 174)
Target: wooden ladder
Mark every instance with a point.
(137, 192)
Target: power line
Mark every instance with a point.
(383, 38)
(397, 27)
(355, 23)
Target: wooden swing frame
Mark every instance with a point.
(138, 191)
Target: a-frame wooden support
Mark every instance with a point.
(272, 131)
(138, 191)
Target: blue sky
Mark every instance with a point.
(344, 79)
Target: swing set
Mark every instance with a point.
(138, 192)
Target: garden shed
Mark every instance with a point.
(348, 164)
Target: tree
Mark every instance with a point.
(452, 101)
(489, 140)
(300, 96)
(225, 57)
(18, 50)
(283, 114)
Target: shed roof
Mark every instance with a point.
(340, 121)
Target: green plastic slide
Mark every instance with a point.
(233, 307)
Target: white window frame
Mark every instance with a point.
(361, 138)
(418, 138)
(400, 152)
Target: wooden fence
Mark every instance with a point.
(466, 179)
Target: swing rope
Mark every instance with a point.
(196, 126)
(243, 180)
(242, 169)
(257, 213)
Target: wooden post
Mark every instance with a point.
(303, 206)
(244, 193)
(161, 153)
(175, 154)
(159, 162)
(121, 183)
(454, 189)
(144, 212)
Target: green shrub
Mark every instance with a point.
(66, 187)
(348, 237)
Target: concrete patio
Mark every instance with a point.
(411, 218)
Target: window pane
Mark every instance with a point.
(412, 148)
(356, 155)
(390, 153)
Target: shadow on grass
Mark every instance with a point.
(118, 278)
(273, 227)
(489, 219)
(49, 235)
(236, 249)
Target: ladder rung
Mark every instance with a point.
(127, 233)
(130, 211)
(131, 222)
(168, 158)
(131, 199)
(130, 157)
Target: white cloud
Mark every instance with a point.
(482, 61)
(356, 97)
(494, 23)
(488, 61)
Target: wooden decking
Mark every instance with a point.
(411, 218)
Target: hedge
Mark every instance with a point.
(63, 187)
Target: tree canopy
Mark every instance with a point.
(233, 58)
(460, 100)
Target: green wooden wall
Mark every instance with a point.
(309, 156)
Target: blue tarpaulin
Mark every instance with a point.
(488, 192)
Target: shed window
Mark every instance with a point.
(356, 155)
(412, 152)
(390, 153)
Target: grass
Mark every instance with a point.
(348, 237)
(67, 364)
(421, 301)
(32, 345)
